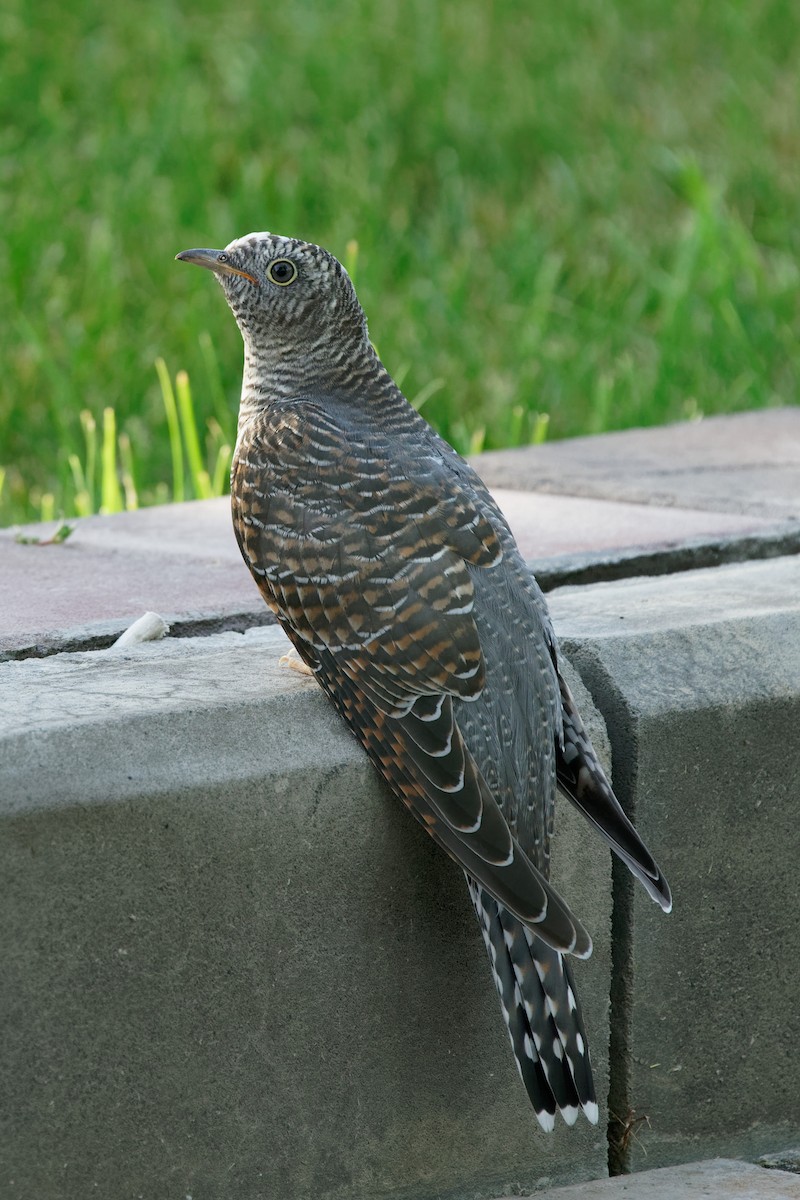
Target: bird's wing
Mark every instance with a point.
(582, 779)
(365, 557)
(515, 883)
(366, 554)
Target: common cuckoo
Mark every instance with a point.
(392, 570)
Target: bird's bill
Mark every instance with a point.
(211, 260)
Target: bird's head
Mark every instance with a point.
(282, 290)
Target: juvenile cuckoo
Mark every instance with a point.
(393, 572)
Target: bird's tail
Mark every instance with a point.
(537, 995)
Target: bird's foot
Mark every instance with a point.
(294, 662)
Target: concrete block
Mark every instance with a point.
(719, 1179)
(746, 463)
(181, 560)
(698, 677)
(232, 965)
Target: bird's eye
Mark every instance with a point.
(282, 271)
(222, 257)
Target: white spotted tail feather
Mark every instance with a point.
(542, 1015)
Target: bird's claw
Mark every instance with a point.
(294, 662)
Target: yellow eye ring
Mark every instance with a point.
(282, 271)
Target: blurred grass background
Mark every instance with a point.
(570, 217)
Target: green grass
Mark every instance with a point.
(570, 217)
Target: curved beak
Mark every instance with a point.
(211, 260)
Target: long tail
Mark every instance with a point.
(542, 1015)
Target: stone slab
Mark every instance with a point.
(698, 678)
(748, 463)
(719, 1179)
(232, 966)
(782, 1160)
(182, 561)
(178, 560)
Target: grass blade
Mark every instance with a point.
(220, 401)
(173, 426)
(82, 500)
(109, 483)
(540, 426)
(197, 471)
(89, 427)
(128, 477)
(351, 259)
(222, 467)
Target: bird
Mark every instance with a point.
(393, 572)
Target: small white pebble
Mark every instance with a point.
(148, 628)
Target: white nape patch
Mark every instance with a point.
(592, 1111)
(579, 1042)
(547, 1121)
(570, 1113)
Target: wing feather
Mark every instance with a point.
(583, 781)
(371, 572)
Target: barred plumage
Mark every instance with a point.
(390, 567)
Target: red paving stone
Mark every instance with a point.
(182, 561)
(748, 463)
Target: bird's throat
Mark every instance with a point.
(314, 369)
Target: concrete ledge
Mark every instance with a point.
(698, 677)
(719, 1179)
(747, 464)
(647, 501)
(233, 967)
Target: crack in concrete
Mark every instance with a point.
(551, 573)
